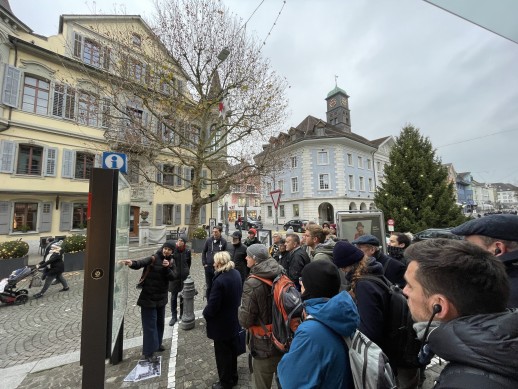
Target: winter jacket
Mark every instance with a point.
(182, 261)
(294, 263)
(238, 256)
(54, 263)
(211, 247)
(393, 269)
(155, 287)
(318, 357)
(248, 242)
(481, 350)
(510, 260)
(220, 313)
(373, 302)
(323, 251)
(256, 306)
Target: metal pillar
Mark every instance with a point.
(188, 292)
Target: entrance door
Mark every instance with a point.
(134, 221)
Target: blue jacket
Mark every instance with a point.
(220, 312)
(318, 356)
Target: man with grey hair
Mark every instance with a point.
(497, 234)
(255, 313)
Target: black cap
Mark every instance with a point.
(500, 226)
(237, 234)
(320, 279)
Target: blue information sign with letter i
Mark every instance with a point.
(113, 160)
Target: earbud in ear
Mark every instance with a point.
(498, 251)
(436, 308)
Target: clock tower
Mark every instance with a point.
(338, 113)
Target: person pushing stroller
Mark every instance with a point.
(53, 268)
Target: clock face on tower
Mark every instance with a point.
(332, 103)
(344, 101)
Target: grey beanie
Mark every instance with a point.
(258, 252)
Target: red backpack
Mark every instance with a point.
(287, 311)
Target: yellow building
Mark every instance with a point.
(54, 118)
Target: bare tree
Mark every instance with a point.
(174, 98)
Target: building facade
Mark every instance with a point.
(326, 167)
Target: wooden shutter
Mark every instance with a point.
(5, 217)
(187, 213)
(204, 179)
(98, 160)
(203, 214)
(159, 175)
(67, 167)
(51, 157)
(11, 87)
(65, 220)
(178, 214)
(187, 176)
(78, 45)
(159, 214)
(7, 153)
(45, 219)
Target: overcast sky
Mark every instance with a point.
(400, 61)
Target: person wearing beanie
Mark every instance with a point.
(53, 268)
(158, 270)
(182, 259)
(237, 253)
(318, 340)
(252, 238)
(256, 308)
(372, 299)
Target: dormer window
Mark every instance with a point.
(136, 40)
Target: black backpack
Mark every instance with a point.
(401, 343)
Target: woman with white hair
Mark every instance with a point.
(221, 317)
(54, 267)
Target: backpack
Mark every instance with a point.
(286, 311)
(370, 367)
(401, 343)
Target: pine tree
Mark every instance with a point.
(415, 192)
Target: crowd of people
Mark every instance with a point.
(462, 296)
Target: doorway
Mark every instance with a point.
(134, 221)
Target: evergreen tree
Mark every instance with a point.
(415, 192)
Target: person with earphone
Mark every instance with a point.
(457, 294)
(497, 234)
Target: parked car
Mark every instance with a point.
(432, 233)
(251, 223)
(298, 225)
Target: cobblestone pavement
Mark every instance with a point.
(47, 330)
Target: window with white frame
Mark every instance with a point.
(64, 102)
(27, 159)
(349, 159)
(25, 217)
(293, 162)
(281, 211)
(30, 160)
(136, 39)
(323, 181)
(133, 171)
(35, 95)
(91, 52)
(296, 210)
(88, 109)
(360, 162)
(351, 182)
(270, 211)
(378, 165)
(371, 185)
(83, 165)
(322, 158)
(280, 183)
(268, 188)
(294, 184)
(369, 164)
(79, 220)
(362, 183)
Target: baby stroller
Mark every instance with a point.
(10, 294)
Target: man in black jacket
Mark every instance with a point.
(296, 260)
(213, 245)
(237, 253)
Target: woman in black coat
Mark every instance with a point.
(182, 260)
(153, 296)
(53, 268)
(221, 317)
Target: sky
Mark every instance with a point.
(400, 61)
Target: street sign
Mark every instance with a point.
(113, 160)
(390, 222)
(391, 228)
(276, 197)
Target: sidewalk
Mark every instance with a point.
(41, 343)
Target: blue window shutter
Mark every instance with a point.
(11, 87)
(203, 214)
(159, 214)
(187, 213)
(159, 175)
(67, 167)
(187, 176)
(5, 217)
(178, 214)
(7, 153)
(45, 218)
(65, 220)
(51, 157)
